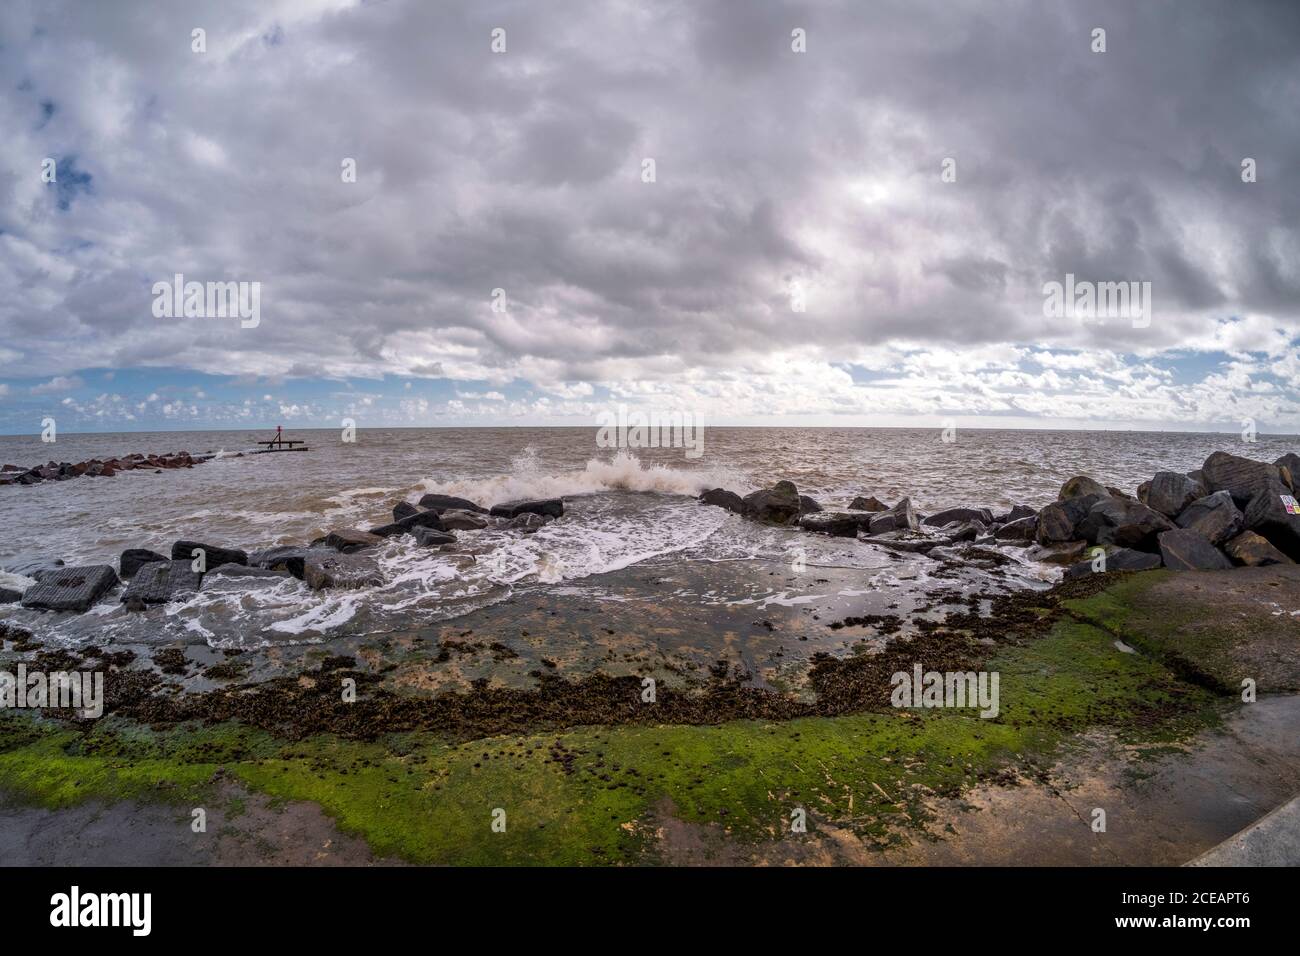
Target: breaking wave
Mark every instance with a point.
(622, 472)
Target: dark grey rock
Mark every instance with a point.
(901, 517)
(776, 505)
(350, 540)
(158, 582)
(10, 596)
(71, 589)
(1253, 551)
(455, 519)
(285, 557)
(1214, 516)
(1128, 524)
(443, 502)
(404, 509)
(527, 523)
(1015, 514)
(1243, 478)
(1289, 464)
(1274, 513)
(808, 506)
(327, 568)
(837, 524)
(432, 537)
(34, 568)
(1171, 492)
(1184, 550)
(1081, 486)
(1021, 529)
(957, 515)
(421, 519)
(547, 507)
(976, 555)
(1059, 521)
(1064, 552)
(1117, 559)
(212, 554)
(722, 498)
(967, 531)
(869, 503)
(133, 559)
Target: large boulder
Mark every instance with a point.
(546, 507)
(133, 559)
(443, 502)
(1128, 524)
(1065, 552)
(289, 558)
(808, 506)
(404, 509)
(1170, 492)
(327, 568)
(837, 524)
(433, 538)
(1059, 521)
(1289, 465)
(1021, 529)
(959, 515)
(212, 554)
(421, 519)
(526, 523)
(71, 589)
(1015, 514)
(1253, 551)
(1184, 550)
(456, 519)
(1243, 478)
(350, 540)
(1214, 516)
(1274, 513)
(1117, 559)
(34, 568)
(1081, 486)
(723, 498)
(161, 581)
(901, 517)
(867, 503)
(776, 505)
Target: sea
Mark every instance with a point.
(624, 508)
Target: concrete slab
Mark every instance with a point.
(1273, 841)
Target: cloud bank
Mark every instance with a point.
(780, 177)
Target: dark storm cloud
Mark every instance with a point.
(776, 171)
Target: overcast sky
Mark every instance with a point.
(778, 174)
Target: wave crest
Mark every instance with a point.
(622, 472)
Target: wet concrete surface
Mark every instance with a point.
(1164, 810)
(242, 829)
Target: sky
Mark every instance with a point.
(851, 217)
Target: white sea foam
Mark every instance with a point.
(623, 472)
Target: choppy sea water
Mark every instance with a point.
(623, 509)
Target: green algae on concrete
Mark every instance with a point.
(588, 795)
(1216, 628)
